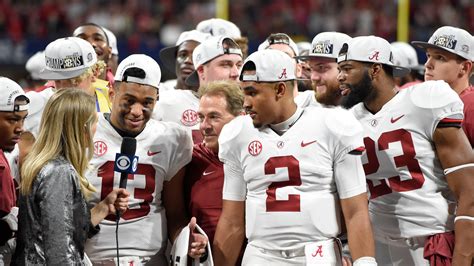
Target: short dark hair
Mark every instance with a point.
(97, 26)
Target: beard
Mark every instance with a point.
(304, 85)
(359, 92)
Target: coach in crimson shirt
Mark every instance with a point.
(220, 102)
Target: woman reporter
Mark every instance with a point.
(54, 220)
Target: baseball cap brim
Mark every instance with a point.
(168, 57)
(192, 79)
(425, 45)
(309, 56)
(52, 75)
(399, 71)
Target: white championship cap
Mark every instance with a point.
(303, 47)
(168, 54)
(270, 65)
(141, 61)
(10, 90)
(281, 38)
(179, 251)
(370, 49)
(208, 50)
(451, 39)
(67, 58)
(327, 44)
(219, 27)
(35, 64)
(112, 41)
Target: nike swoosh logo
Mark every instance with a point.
(393, 120)
(149, 153)
(307, 143)
(207, 173)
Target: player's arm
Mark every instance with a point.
(359, 228)
(454, 150)
(350, 180)
(230, 233)
(173, 202)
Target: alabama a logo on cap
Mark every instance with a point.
(324, 47)
(446, 41)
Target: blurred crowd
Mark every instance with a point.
(139, 23)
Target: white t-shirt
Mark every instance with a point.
(409, 193)
(168, 85)
(306, 98)
(163, 149)
(38, 101)
(292, 183)
(179, 106)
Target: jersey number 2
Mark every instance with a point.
(406, 159)
(292, 204)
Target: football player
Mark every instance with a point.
(418, 161)
(288, 172)
(156, 202)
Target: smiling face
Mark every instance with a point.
(132, 106)
(214, 114)
(324, 78)
(355, 83)
(97, 38)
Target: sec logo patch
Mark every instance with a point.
(100, 148)
(189, 118)
(255, 148)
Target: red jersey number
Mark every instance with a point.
(292, 204)
(406, 159)
(146, 171)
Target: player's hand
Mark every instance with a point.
(346, 261)
(197, 242)
(117, 200)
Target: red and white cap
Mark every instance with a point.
(370, 49)
(10, 91)
(270, 65)
(67, 58)
(219, 27)
(327, 44)
(141, 61)
(451, 39)
(281, 38)
(211, 48)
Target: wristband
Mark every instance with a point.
(365, 261)
(464, 217)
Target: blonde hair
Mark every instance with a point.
(94, 70)
(65, 130)
(230, 90)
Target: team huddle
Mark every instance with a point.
(268, 158)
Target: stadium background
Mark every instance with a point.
(146, 26)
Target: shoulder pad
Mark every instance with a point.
(232, 129)
(432, 94)
(341, 122)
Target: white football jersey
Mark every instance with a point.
(306, 98)
(179, 106)
(409, 195)
(292, 183)
(163, 149)
(38, 101)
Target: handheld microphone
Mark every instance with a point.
(126, 162)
